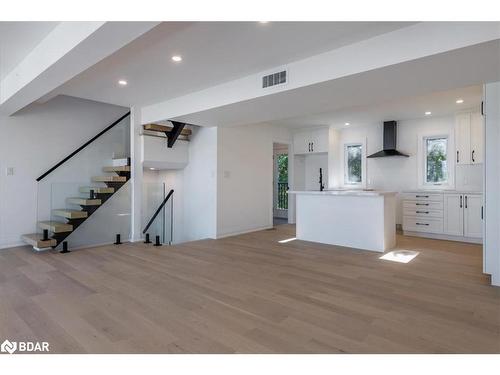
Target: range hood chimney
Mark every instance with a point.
(390, 138)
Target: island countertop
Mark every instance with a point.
(357, 193)
(359, 219)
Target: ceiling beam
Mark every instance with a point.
(71, 48)
(403, 45)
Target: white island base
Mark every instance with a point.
(358, 219)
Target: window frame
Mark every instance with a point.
(422, 161)
(346, 181)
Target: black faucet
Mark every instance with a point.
(321, 186)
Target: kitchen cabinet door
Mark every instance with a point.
(319, 139)
(454, 214)
(462, 138)
(473, 223)
(477, 138)
(302, 143)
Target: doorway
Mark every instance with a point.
(280, 183)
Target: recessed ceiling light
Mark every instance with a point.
(347, 124)
(176, 58)
(263, 21)
(459, 101)
(122, 82)
(152, 168)
(428, 113)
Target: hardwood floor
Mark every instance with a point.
(251, 294)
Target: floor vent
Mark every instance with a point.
(274, 79)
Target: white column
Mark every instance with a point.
(491, 244)
(136, 146)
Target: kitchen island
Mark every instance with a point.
(353, 218)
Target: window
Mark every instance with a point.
(353, 170)
(436, 163)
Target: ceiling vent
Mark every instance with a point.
(274, 79)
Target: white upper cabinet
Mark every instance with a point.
(469, 138)
(462, 138)
(477, 138)
(301, 143)
(311, 141)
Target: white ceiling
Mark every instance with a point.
(440, 103)
(17, 39)
(213, 53)
(397, 92)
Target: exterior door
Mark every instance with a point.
(280, 184)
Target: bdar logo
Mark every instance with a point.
(8, 347)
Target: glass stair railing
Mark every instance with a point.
(158, 213)
(84, 200)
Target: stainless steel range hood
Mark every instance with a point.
(390, 140)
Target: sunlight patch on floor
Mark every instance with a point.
(288, 240)
(400, 256)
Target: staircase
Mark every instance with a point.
(91, 199)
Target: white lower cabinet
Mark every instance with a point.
(473, 216)
(452, 216)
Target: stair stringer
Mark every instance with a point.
(109, 219)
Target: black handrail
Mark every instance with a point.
(82, 147)
(158, 210)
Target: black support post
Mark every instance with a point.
(45, 235)
(118, 242)
(147, 238)
(65, 248)
(157, 243)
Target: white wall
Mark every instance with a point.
(311, 164)
(195, 188)
(245, 189)
(31, 142)
(400, 173)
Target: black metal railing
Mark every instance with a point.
(49, 171)
(282, 203)
(170, 193)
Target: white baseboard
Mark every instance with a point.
(231, 234)
(445, 237)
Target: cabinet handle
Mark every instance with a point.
(421, 196)
(309, 146)
(466, 201)
(312, 146)
(482, 213)
(422, 212)
(460, 201)
(421, 223)
(421, 204)
(473, 156)
(458, 159)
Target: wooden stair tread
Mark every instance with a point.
(119, 168)
(55, 226)
(84, 201)
(70, 214)
(109, 179)
(97, 189)
(36, 240)
(165, 128)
